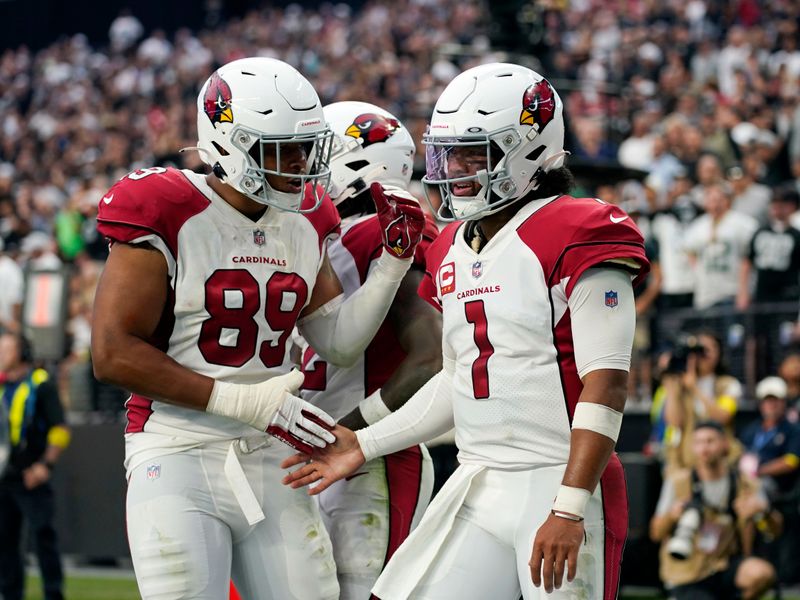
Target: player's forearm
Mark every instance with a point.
(780, 466)
(588, 456)
(427, 414)
(135, 365)
(595, 429)
(340, 331)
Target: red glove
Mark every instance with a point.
(401, 219)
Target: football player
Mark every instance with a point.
(369, 514)
(535, 287)
(206, 279)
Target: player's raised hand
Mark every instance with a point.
(401, 219)
(325, 466)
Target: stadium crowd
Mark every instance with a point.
(700, 99)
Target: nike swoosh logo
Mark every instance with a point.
(618, 219)
(107, 199)
(355, 475)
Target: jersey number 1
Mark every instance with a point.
(233, 297)
(476, 314)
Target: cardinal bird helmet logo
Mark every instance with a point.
(397, 236)
(538, 105)
(217, 101)
(371, 128)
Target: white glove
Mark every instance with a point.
(302, 425)
(271, 406)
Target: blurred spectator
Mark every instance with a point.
(708, 170)
(774, 256)
(38, 435)
(125, 30)
(772, 453)
(789, 371)
(636, 151)
(717, 243)
(749, 198)
(697, 388)
(39, 250)
(668, 228)
(704, 521)
(10, 292)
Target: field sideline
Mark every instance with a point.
(84, 587)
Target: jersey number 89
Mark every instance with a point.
(233, 298)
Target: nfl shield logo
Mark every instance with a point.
(153, 472)
(477, 269)
(259, 238)
(611, 299)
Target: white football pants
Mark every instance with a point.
(189, 536)
(370, 513)
(486, 551)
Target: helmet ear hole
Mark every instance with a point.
(220, 149)
(357, 165)
(535, 154)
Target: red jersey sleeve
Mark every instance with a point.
(325, 219)
(429, 235)
(571, 235)
(148, 202)
(433, 260)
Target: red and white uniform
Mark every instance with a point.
(506, 323)
(236, 288)
(370, 514)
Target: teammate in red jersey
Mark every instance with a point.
(371, 513)
(535, 288)
(206, 279)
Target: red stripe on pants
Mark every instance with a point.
(615, 513)
(403, 480)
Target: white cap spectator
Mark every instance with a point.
(771, 386)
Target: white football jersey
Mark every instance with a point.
(507, 323)
(237, 287)
(335, 389)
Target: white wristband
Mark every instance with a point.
(598, 418)
(572, 500)
(254, 404)
(372, 408)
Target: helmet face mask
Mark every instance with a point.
(265, 174)
(512, 118)
(482, 167)
(252, 115)
(370, 144)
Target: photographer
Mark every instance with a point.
(772, 454)
(697, 388)
(705, 520)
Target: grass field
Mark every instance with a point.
(111, 588)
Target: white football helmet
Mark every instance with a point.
(515, 115)
(369, 144)
(257, 104)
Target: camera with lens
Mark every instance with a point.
(681, 545)
(685, 346)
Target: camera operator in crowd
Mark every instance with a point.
(772, 453)
(697, 388)
(705, 520)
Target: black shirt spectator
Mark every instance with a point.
(774, 255)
